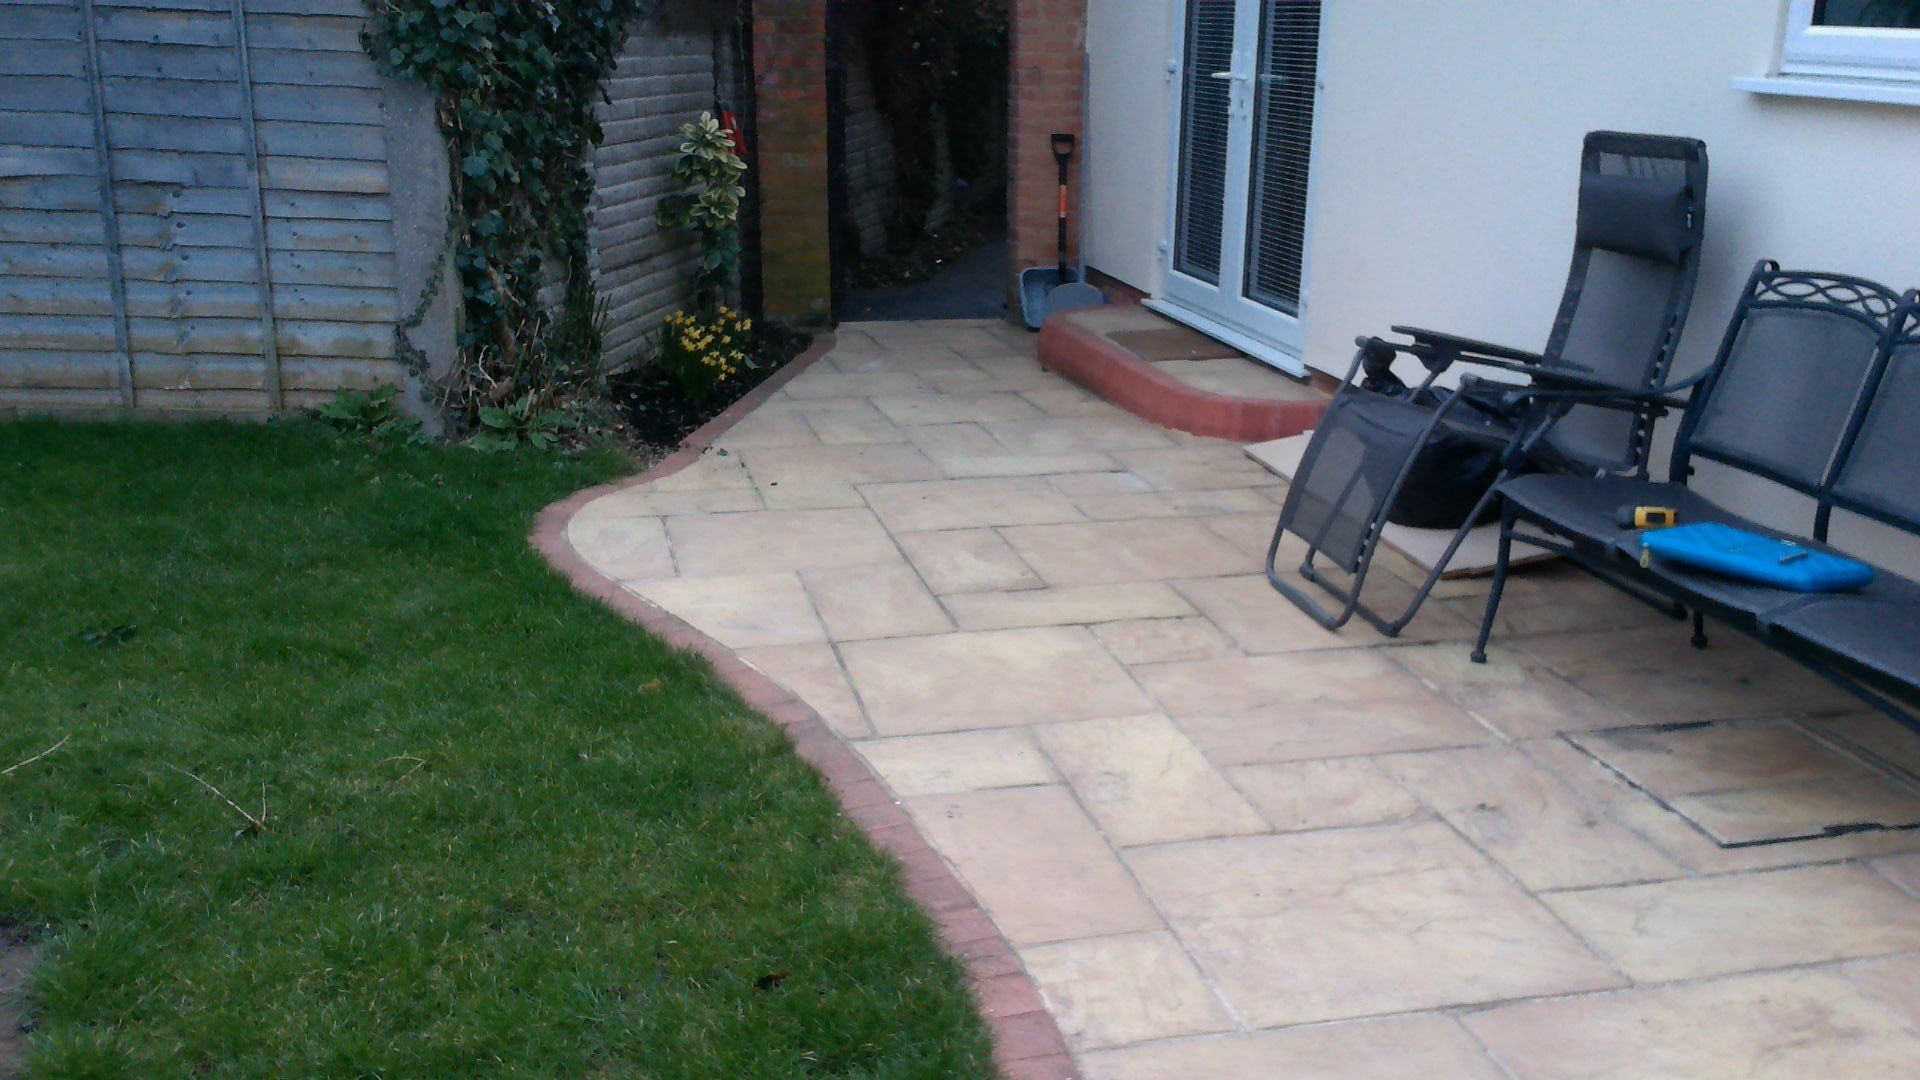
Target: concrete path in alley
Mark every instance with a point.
(1225, 842)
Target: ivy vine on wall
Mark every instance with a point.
(515, 82)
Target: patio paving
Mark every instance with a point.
(1225, 842)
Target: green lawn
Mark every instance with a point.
(506, 832)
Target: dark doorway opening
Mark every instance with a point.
(917, 134)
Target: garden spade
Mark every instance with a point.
(1047, 289)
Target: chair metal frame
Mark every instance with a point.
(1554, 388)
(1896, 321)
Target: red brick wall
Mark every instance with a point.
(790, 81)
(1048, 56)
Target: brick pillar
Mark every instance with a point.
(790, 87)
(1048, 50)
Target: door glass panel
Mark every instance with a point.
(1282, 145)
(1206, 98)
(1873, 13)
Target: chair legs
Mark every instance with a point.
(1501, 561)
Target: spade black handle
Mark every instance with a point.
(1062, 152)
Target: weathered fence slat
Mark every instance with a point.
(116, 275)
(269, 338)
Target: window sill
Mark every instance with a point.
(1878, 91)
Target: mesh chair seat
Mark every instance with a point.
(1343, 482)
(1876, 629)
(1585, 509)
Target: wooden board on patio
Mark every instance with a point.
(1423, 546)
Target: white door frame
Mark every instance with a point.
(1223, 311)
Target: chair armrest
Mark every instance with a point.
(1576, 391)
(1455, 344)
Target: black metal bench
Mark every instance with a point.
(1816, 389)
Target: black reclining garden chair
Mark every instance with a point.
(1816, 388)
(1642, 210)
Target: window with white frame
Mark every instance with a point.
(1873, 39)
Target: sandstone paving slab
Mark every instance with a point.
(812, 494)
(993, 678)
(1250, 533)
(1686, 842)
(1261, 620)
(1413, 1048)
(1126, 506)
(1549, 599)
(966, 560)
(1098, 553)
(936, 408)
(649, 502)
(1334, 793)
(769, 430)
(967, 450)
(740, 611)
(1893, 982)
(1082, 604)
(921, 361)
(812, 673)
(1201, 467)
(1517, 696)
(1785, 1024)
(1902, 870)
(624, 548)
(1347, 923)
(1872, 732)
(827, 383)
(1650, 675)
(858, 464)
(1261, 709)
(1066, 399)
(1036, 863)
(961, 761)
(1115, 481)
(878, 601)
(1159, 641)
(1725, 756)
(1812, 809)
(1054, 435)
(710, 472)
(1539, 828)
(966, 504)
(1697, 927)
(1145, 782)
(1128, 988)
(847, 422)
(772, 541)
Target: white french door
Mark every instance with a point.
(1247, 79)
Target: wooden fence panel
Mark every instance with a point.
(197, 209)
(237, 253)
(663, 78)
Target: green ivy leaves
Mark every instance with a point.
(516, 81)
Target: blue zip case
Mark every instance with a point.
(1762, 560)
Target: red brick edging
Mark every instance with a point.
(1145, 391)
(1027, 1042)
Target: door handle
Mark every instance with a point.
(1234, 76)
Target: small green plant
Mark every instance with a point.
(708, 202)
(702, 354)
(520, 423)
(373, 412)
